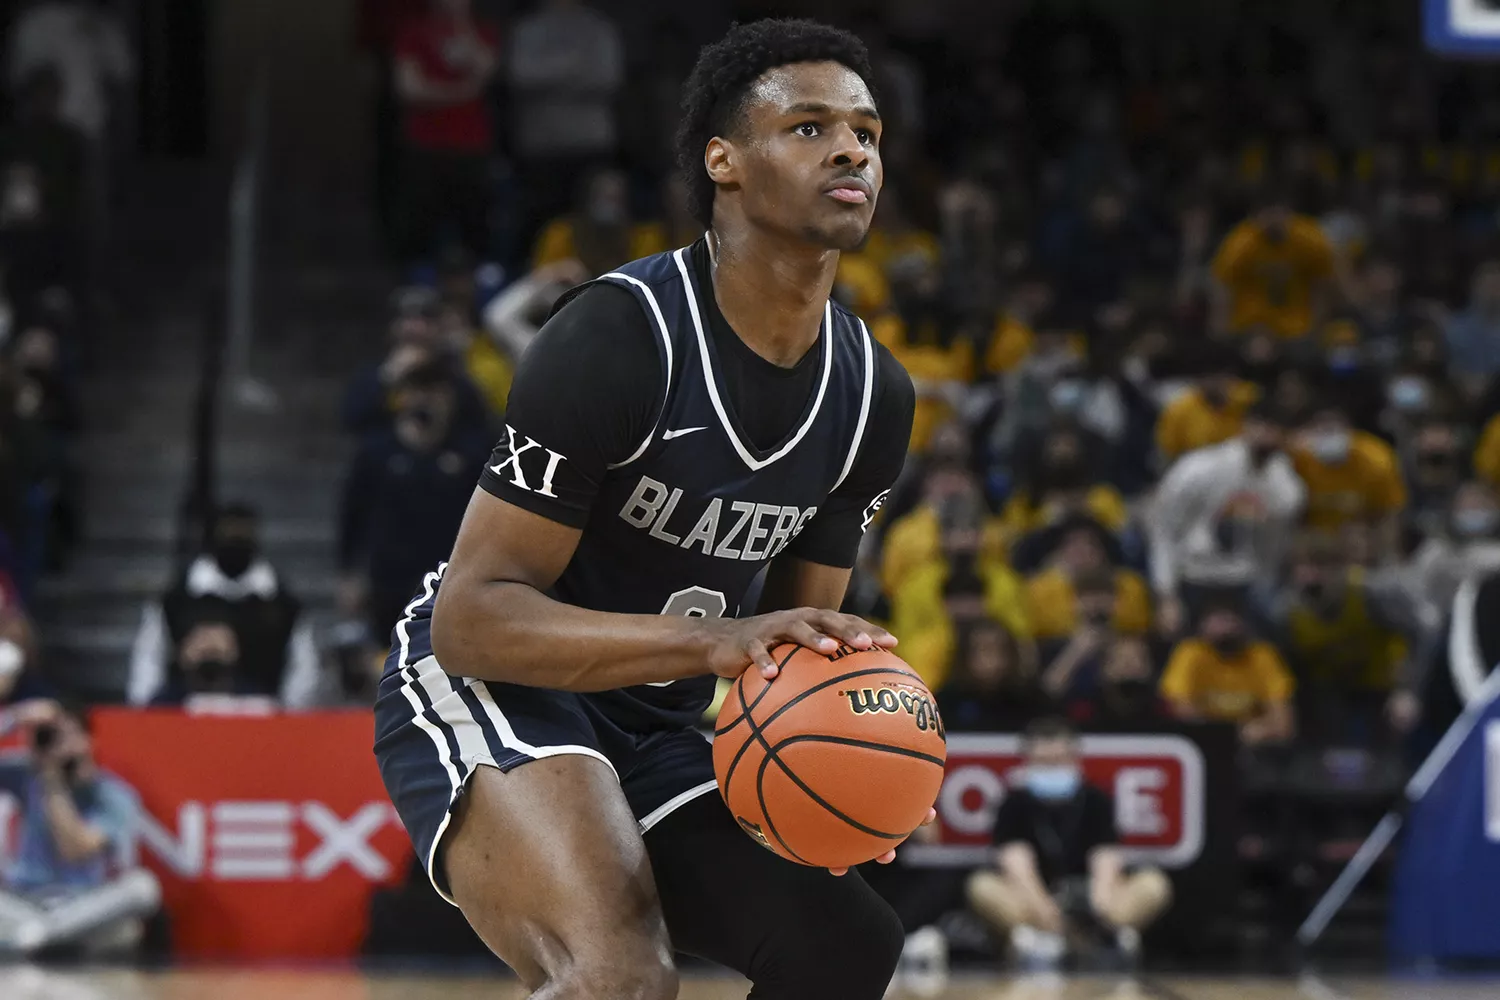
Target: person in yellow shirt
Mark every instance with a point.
(1061, 485)
(1352, 478)
(1487, 453)
(1224, 675)
(1210, 413)
(1080, 585)
(1275, 268)
(601, 232)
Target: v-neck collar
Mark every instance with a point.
(753, 457)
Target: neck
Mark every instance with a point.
(772, 291)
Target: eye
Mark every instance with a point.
(865, 136)
(808, 130)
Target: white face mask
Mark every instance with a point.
(1408, 392)
(1331, 447)
(1476, 522)
(12, 659)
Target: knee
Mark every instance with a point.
(851, 954)
(625, 973)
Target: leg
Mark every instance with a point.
(797, 933)
(1004, 904)
(106, 912)
(547, 864)
(1138, 900)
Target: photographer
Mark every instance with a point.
(73, 879)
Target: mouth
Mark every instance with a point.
(849, 190)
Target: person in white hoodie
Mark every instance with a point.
(1221, 516)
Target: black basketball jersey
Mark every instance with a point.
(683, 525)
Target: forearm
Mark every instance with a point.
(512, 632)
(76, 839)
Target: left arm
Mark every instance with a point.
(77, 838)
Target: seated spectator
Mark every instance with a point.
(1061, 484)
(1474, 333)
(1347, 635)
(600, 233)
(416, 340)
(207, 674)
(1059, 864)
(935, 596)
(992, 684)
(230, 583)
(1381, 312)
(515, 316)
(1433, 462)
(404, 497)
(489, 369)
(944, 494)
(1014, 337)
(1220, 517)
(1081, 584)
(1352, 478)
(1275, 268)
(1124, 694)
(1210, 412)
(1223, 675)
(1467, 544)
(74, 879)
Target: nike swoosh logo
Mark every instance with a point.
(669, 435)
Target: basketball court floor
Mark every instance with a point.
(26, 983)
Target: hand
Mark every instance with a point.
(890, 855)
(402, 359)
(36, 712)
(1404, 711)
(739, 643)
(1051, 916)
(1171, 616)
(569, 271)
(1089, 639)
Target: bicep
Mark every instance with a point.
(499, 542)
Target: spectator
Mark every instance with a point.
(54, 147)
(1061, 483)
(1059, 864)
(1211, 412)
(567, 66)
(1466, 545)
(1474, 334)
(1094, 257)
(1275, 268)
(444, 60)
(19, 678)
(1380, 311)
(404, 496)
(600, 233)
(232, 584)
(1221, 515)
(1224, 675)
(1348, 636)
(74, 879)
(515, 316)
(1352, 478)
(1125, 695)
(416, 340)
(1434, 462)
(1080, 584)
(947, 496)
(208, 676)
(992, 685)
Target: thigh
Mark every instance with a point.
(547, 864)
(798, 933)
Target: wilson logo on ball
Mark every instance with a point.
(866, 701)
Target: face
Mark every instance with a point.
(1382, 280)
(989, 657)
(1128, 659)
(1274, 220)
(1221, 625)
(1262, 437)
(234, 544)
(1080, 551)
(1476, 513)
(607, 201)
(804, 160)
(1048, 753)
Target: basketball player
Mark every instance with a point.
(678, 426)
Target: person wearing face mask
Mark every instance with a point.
(1464, 545)
(404, 497)
(1125, 696)
(1434, 467)
(207, 676)
(1080, 583)
(600, 233)
(1349, 635)
(1275, 268)
(1209, 413)
(1352, 477)
(231, 581)
(1224, 675)
(992, 684)
(1059, 481)
(1220, 514)
(1474, 334)
(1059, 870)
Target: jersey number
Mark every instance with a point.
(694, 602)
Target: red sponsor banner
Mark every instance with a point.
(1157, 782)
(269, 834)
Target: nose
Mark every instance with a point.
(846, 149)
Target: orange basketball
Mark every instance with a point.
(834, 761)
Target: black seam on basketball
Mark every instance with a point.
(760, 793)
(866, 744)
(763, 692)
(862, 828)
(756, 727)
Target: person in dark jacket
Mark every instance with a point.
(404, 497)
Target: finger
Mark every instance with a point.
(847, 629)
(804, 634)
(838, 871)
(887, 857)
(760, 657)
(931, 817)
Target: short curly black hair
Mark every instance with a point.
(713, 97)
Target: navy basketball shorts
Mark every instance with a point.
(432, 730)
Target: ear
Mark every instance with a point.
(719, 160)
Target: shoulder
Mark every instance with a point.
(1098, 801)
(116, 793)
(892, 381)
(1309, 233)
(600, 321)
(1182, 404)
(1187, 654)
(1374, 451)
(1266, 657)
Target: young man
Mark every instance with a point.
(676, 427)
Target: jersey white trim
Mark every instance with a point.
(864, 407)
(826, 338)
(675, 803)
(666, 343)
